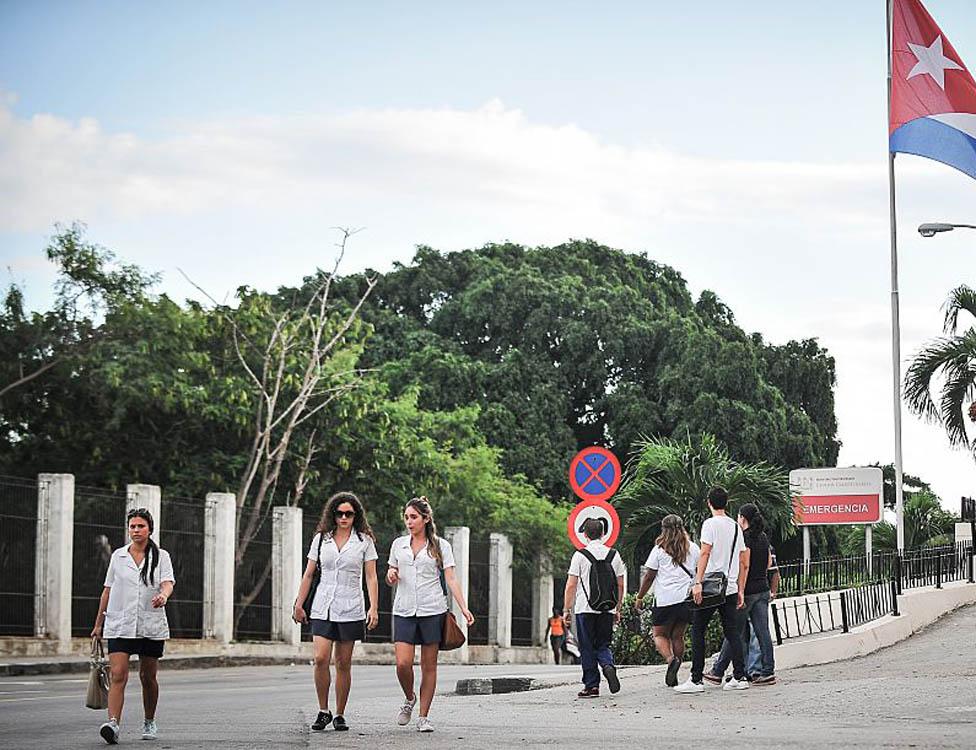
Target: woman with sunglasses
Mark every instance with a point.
(132, 616)
(343, 548)
(422, 569)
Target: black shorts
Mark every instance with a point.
(420, 631)
(339, 631)
(678, 614)
(142, 646)
(556, 641)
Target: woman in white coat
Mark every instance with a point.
(132, 617)
(343, 549)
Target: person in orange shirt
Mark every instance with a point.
(557, 636)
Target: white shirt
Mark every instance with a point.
(130, 613)
(579, 566)
(419, 592)
(671, 583)
(339, 596)
(719, 531)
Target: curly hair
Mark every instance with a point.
(327, 522)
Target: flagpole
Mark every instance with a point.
(895, 324)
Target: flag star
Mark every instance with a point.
(932, 61)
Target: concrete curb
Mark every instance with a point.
(23, 669)
(499, 685)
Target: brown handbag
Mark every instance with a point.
(451, 635)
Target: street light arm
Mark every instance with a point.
(933, 228)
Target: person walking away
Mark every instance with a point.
(595, 591)
(669, 568)
(132, 617)
(556, 633)
(724, 553)
(342, 549)
(757, 597)
(422, 569)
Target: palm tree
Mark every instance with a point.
(949, 364)
(665, 476)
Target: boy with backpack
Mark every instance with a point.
(594, 591)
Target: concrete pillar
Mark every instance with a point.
(219, 545)
(459, 538)
(55, 547)
(286, 572)
(500, 591)
(542, 600)
(145, 496)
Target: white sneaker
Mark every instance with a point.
(424, 725)
(109, 731)
(149, 731)
(690, 687)
(734, 684)
(406, 710)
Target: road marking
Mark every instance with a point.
(25, 683)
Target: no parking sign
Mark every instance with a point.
(594, 474)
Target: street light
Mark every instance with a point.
(930, 230)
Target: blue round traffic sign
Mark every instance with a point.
(594, 473)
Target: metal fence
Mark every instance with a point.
(925, 566)
(479, 583)
(522, 580)
(99, 529)
(184, 537)
(841, 610)
(252, 583)
(18, 545)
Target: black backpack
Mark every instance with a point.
(602, 594)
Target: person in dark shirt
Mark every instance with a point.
(762, 570)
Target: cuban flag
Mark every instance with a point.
(933, 96)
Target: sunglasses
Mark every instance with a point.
(345, 514)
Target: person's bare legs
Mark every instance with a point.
(428, 675)
(148, 669)
(343, 678)
(662, 641)
(404, 668)
(119, 666)
(677, 638)
(322, 656)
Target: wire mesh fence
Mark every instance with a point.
(183, 535)
(99, 529)
(252, 581)
(18, 558)
(522, 621)
(479, 582)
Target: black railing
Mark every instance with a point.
(183, 536)
(252, 583)
(98, 530)
(840, 610)
(18, 546)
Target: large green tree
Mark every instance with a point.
(578, 344)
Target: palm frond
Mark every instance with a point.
(960, 298)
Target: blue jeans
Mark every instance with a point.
(757, 614)
(594, 633)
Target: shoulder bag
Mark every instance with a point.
(714, 584)
(316, 577)
(451, 635)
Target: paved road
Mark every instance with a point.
(920, 693)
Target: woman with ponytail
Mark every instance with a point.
(421, 566)
(132, 617)
(757, 596)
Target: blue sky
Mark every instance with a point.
(742, 143)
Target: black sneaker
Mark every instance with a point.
(323, 720)
(613, 682)
(339, 724)
(671, 678)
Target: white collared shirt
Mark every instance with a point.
(419, 592)
(130, 613)
(579, 566)
(339, 596)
